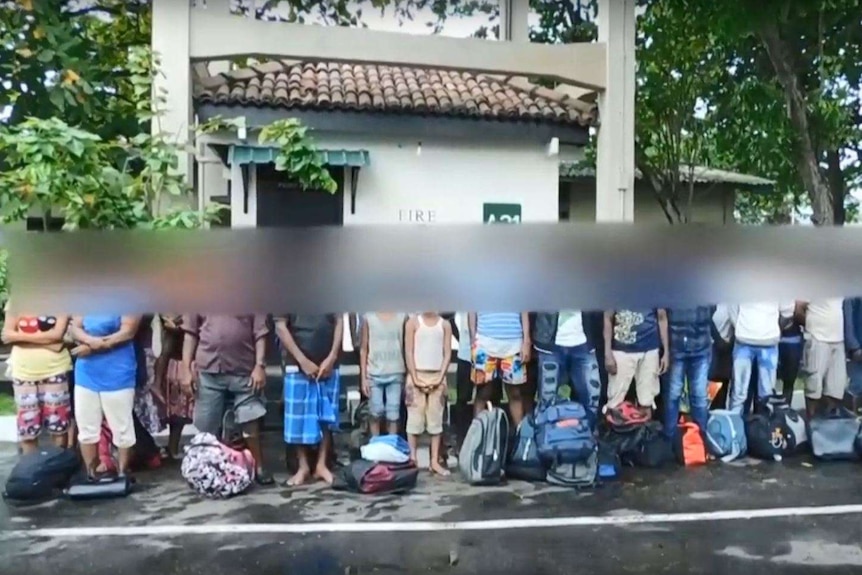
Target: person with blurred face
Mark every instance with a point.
(500, 348)
(382, 368)
(106, 374)
(224, 363)
(637, 347)
(824, 362)
(40, 364)
(311, 346)
(428, 350)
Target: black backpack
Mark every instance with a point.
(41, 476)
(653, 450)
(768, 437)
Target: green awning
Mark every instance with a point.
(242, 155)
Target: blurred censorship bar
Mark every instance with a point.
(437, 267)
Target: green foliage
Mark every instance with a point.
(68, 59)
(297, 155)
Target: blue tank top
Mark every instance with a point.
(503, 326)
(112, 370)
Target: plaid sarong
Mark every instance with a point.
(309, 407)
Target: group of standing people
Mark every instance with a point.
(95, 379)
(93, 383)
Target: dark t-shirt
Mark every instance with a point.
(636, 331)
(313, 334)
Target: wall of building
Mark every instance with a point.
(712, 204)
(448, 181)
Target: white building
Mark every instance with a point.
(404, 144)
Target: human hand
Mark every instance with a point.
(81, 350)
(610, 364)
(258, 378)
(526, 351)
(663, 364)
(309, 368)
(326, 368)
(187, 379)
(366, 386)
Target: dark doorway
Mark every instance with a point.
(281, 203)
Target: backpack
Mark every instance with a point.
(40, 476)
(833, 435)
(563, 433)
(216, 470)
(483, 454)
(766, 436)
(776, 407)
(626, 416)
(379, 478)
(580, 475)
(690, 449)
(653, 449)
(524, 462)
(725, 435)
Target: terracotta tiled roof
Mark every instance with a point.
(392, 89)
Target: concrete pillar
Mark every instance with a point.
(514, 24)
(171, 30)
(615, 162)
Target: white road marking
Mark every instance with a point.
(430, 526)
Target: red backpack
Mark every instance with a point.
(626, 416)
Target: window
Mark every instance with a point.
(37, 224)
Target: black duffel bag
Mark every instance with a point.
(41, 476)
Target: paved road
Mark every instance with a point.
(778, 545)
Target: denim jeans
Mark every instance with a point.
(745, 359)
(577, 368)
(854, 370)
(694, 369)
(385, 397)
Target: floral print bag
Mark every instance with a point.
(215, 470)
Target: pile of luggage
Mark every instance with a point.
(384, 468)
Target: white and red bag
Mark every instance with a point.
(216, 470)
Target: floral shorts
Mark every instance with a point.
(486, 368)
(42, 404)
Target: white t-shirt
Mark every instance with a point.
(570, 329)
(824, 320)
(758, 323)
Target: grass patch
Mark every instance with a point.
(7, 405)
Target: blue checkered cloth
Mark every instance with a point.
(309, 407)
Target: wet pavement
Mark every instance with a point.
(777, 545)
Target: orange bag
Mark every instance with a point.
(691, 449)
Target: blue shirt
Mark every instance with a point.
(504, 326)
(111, 370)
(636, 331)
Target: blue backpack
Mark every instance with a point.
(524, 462)
(725, 435)
(563, 433)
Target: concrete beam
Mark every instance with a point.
(514, 20)
(615, 161)
(216, 35)
(171, 28)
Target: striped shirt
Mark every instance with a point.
(500, 326)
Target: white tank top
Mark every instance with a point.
(428, 345)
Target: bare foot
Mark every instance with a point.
(300, 478)
(324, 474)
(438, 469)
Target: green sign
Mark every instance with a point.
(501, 213)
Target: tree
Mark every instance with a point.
(811, 52)
(68, 59)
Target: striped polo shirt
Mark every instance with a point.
(500, 326)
